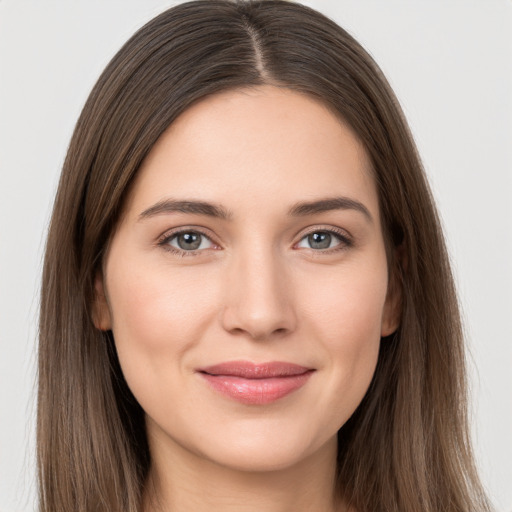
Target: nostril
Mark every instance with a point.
(258, 316)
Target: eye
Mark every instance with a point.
(323, 239)
(187, 241)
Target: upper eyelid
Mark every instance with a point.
(340, 232)
(345, 240)
(171, 233)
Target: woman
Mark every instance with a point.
(246, 302)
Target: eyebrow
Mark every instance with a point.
(197, 207)
(300, 209)
(329, 204)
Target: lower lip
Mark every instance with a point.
(256, 391)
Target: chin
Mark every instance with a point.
(266, 453)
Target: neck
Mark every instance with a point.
(181, 481)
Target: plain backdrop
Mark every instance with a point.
(450, 63)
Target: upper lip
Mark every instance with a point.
(249, 370)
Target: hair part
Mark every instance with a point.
(407, 445)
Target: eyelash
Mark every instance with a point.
(168, 236)
(345, 241)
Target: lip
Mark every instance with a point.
(256, 383)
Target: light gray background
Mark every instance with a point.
(450, 63)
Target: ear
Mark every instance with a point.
(393, 306)
(101, 316)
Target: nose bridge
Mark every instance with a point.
(259, 297)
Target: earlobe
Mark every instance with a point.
(101, 316)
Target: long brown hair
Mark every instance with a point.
(406, 448)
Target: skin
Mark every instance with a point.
(255, 290)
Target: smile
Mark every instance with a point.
(256, 384)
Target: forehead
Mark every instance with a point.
(261, 145)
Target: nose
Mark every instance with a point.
(259, 297)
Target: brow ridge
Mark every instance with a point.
(328, 204)
(186, 206)
(300, 209)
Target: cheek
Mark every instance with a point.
(153, 306)
(157, 316)
(348, 303)
(346, 320)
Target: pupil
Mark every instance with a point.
(320, 240)
(189, 241)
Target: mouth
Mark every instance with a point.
(256, 384)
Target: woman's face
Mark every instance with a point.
(246, 285)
